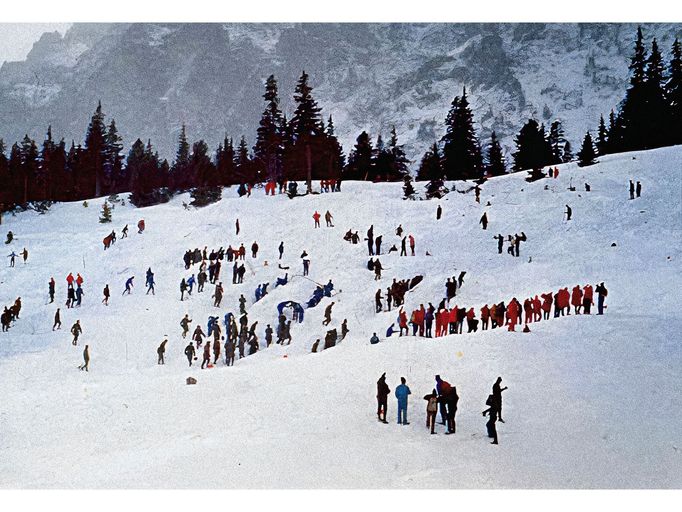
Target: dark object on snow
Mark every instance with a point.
(613, 244)
(191, 380)
(535, 175)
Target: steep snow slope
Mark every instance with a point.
(592, 401)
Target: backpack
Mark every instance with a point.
(432, 405)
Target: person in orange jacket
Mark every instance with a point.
(588, 302)
(577, 298)
(565, 300)
(316, 216)
(485, 317)
(402, 322)
(421, 313)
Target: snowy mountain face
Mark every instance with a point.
(593, 401)
(151, 78)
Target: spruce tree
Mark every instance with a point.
(268, 148)
(95, 154)
(632, 115)
(306, 127)
(602, 138)
(587, 155)
(673, 95)
(105, 214)
(656, 111)
(180, 171)
(334, 152)
(532, 148)
(568, 153)
(398, 162)
(207, 189)
(496, 165)
(360, 159)
(431, 167)
(114, 177)
(556, 142)
(461, 150)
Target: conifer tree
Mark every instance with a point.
(360, 159)
(114, 177)
(95, 154)
(656, 111)
(180, 171)
(461, 150)
(105, 214)
(6, 195)
(408, 187)
(568, 153)
(556, 142)
(673, 95)
(496, 165)
(431, 167)
(602, 138)
(306, 127)
(207, 189)
(587, 155)
(632, 113)
(399, 161)
(532, 149)
(268, 148)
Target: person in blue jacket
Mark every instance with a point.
(190, 283)
(401, 393)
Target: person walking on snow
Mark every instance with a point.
(184, 323)
(76, 331)
(57, 321)
(106, 294)
(189, 353)
(382, 398)
(129, 285)
(328, 218)
(86, 359)
(281, 249)
(328, 314)
(207, 356)
(401, 393)
(12, 256)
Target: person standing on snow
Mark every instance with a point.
(24, 253)
(236, 225)
(316, 217)
(588, 302)
(161, 351)
(497, 398)
(106, 294)
(382, 398)
(638, 189)
(602, 292)
(129, 285)
(254, 250)
(281, 249)
(150, 281)
(328, 218)
(484, 221)
(411, 238)
(439, 212)
(12, 256)
(51, 286)
(632, 190)
(184, 323)
(431, 410)
(493, 413)
(370, 240)
(569, 212)
(401, 393)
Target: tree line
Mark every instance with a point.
(305, 148)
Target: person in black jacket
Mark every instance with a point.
(602, 292)
(490, 425)
(382, 397)
(86, 359)
(161, 351)
(497, 396)
(189, 352)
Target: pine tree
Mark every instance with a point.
(360, 159)
(207, 189)
(496, 165)
(568, 153)
(431, 167)
(306, 127)
(656, 111)
(268, 148)
(114, 177)
(180, 171)
(614, 134)
(334, 152)
(556, 142)
(105, 214)
(673, 95)
(381, 162)
(461, 150)
(632, 115)
(532, 149)
(95, 154)
(587, 155)
(225, 163)
(602, 138)
(398, 161)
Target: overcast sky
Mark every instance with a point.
(16, 39)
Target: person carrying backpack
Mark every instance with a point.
(431, 410)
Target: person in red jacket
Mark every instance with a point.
(485, 317)
(439, 323)
(537, 309)
(512, 314)
(316, 216)
(588, 302)
(565, 302)
(547, 300)
(69, 280)
(402, 321)
(411, 239)
(528, 310)
(421, 313)
(79, 279)
(577, 298)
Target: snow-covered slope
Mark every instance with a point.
(592, 401)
